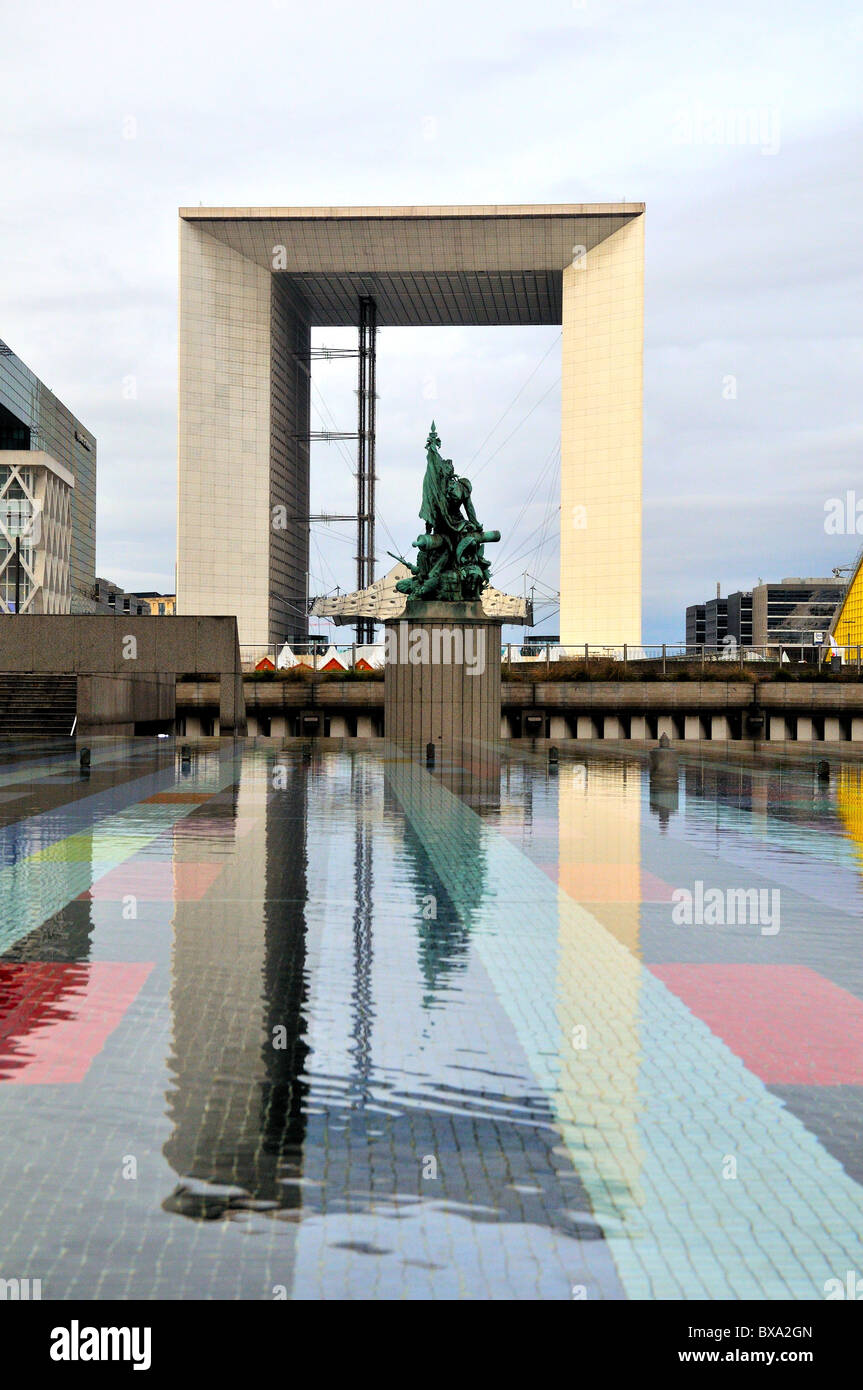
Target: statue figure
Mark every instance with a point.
(451, 564)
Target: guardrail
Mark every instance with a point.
(662, 656)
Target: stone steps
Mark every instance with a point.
(36, 707)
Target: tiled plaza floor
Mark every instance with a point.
(326, 1025)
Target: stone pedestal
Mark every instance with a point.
(442, 679)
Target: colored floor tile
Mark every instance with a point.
(54, 1019)
(433, 1036)
(790, 1026)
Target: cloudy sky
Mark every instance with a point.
(739, 126)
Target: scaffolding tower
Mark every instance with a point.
(366, 399)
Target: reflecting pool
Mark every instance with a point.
(302, 1024)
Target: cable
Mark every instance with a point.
(515, 559)
(513, 401)
(549, 463)
(555, 385)
(549, 512)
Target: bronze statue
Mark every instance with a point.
(451, 564)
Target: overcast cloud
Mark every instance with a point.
(739, 126)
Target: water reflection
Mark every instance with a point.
(354, 966)
(238, 996)
(531, 1031)
(413, 797)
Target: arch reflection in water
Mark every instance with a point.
(238, 995)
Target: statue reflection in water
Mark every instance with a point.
(239, 1103)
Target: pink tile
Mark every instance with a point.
(608, 883)
(155, 880)
(788, 1024)
(54, 1019)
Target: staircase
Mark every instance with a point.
(37, 707)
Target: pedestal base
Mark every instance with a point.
(442, 678)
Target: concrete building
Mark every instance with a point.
(109, 598)
(35, 532)
(713, 623)
(707, 623)
(791, 611)
(159, 605)
(119, 673)
(695, 625)
(253, 283)
(33, 419)
(740, 617)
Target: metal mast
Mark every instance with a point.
(366, 397)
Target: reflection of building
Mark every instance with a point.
(600, 878)
(793, 610)
(599, 843)
(32, 418)
(36, 517)
(849, 804)
(238, 992)
(253, 283)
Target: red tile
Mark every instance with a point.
(788, 1024)
(54, 1019)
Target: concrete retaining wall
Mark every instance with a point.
(127, 667)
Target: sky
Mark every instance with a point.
(739, 127)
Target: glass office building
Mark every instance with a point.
(31, 417)
(793, 611)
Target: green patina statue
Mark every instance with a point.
(451, 564)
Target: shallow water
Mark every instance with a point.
(328, 1025)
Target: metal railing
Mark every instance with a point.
(649, 657)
